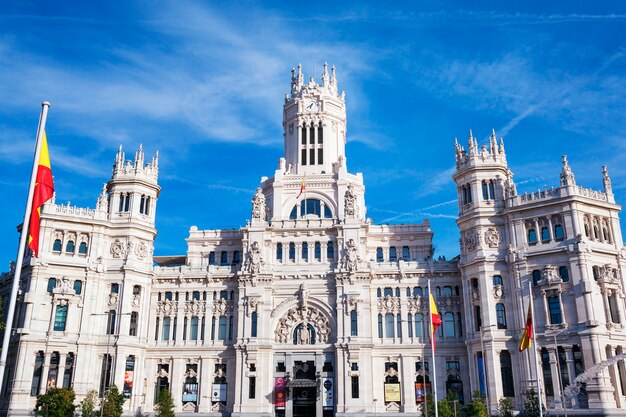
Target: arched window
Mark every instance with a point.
(558, 232)
(305, 251)
(388, 292)
(317, 251)
(417, 291)
(57, 245)
(564, 273)
(492, 190)
(501, 316)
(378, 293)
(311, 207)
(449, 328)
(392, 254)
(292, 251)
(398, 325)
(254, 321)
(397, 292)
(330, 250)
(112, 322)
(536, 276)
(354, 328)
(82, 248)
(409, 319)
(605, 233)
(211, 258)
(60, 318)
(485, 192)
(587, 230)
(379, 255)
(380, 325)
(69, 247)
(224, 258)
(69, 370)
(469, 194)
(547, 371)
(596, 232)
(279, 252)
(532, 236)
(406, 255)
(545, 234)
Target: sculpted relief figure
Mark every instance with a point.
(350, 202)
(254, 260)
(351, 257)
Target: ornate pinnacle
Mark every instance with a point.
(493, 142)
(567, 176)
(325, 75)
(606, 181)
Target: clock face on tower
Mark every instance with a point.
(311, 105)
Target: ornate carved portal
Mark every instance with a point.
(303, 325)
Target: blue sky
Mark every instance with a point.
(203, 82)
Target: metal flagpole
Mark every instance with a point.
(534, 348)
(432, 350)
(424, 378)
(22, 247)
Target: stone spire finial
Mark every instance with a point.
(493, 142)
(139, 157)
(472, 145)
(103, 200)
(325, 75)
(501, 146)
(567, 176)
(300, 76)
(606, 181)
(119, 159)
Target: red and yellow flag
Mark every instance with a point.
(301, 186)
(44, 189)
(527, 337)
(435, 319)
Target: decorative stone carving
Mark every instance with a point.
(136, 300)
(389, 304)
(194, 307)
(141, 250)
(351, 257)
(258, 205)
(492, 237)
(162, 374)
(191, 373)
(251, 304)
(295, 316)
(103, 200)
(221, 307)
(254, 260)
(118, 249)
(471, 239)
(549, 276)
(350, 206)
(113, 298)
(304, 335)
(167, 307)
(64, 286)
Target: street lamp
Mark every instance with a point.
(558, 368)
(485, 379)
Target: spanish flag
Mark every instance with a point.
(44, 189)
(435, 319)
(527, 337)
(301, 187)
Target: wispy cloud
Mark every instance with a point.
(417, 214)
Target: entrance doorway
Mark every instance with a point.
(304, 401)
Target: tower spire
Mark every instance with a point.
(493, 143)
(325, 75)
(606, 181)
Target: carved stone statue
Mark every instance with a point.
(258, 205)
(254, 260)
(351, 257)
(350, 202)
(304, 335)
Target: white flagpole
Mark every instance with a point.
(22, 247)
(432, 350)
(534, 348)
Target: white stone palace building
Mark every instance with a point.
(313, 310)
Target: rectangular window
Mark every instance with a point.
(303, 133)
(389, 326)
(355, 386)
(320, 134)
(554, 306)
(354, 330)
(69, 370)
(111, 322)
(252, 387)
(254, 319)
(36, 381)
(613, 308)
(105, 374)
(506, 369)
(60, 318)
(166, 328)
(547, 372)
(380, 326)
(231, 323)
(221, 335)
(311, 156)
(303, 157)
(320, 156)
(134, 318)
(193, 331)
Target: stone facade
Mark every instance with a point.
(310, 309)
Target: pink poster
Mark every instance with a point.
(279, 392)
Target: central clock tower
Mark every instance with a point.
(314, 123)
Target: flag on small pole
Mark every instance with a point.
(39, 191)
(302, 186)
(435, 322)
(527, 337)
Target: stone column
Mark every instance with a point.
(44, 374)
(556, 376)
(537, 231)
(407, 371)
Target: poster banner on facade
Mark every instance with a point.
(481, 376)
(421, 390)
(218, 393)
(328, 395)
(128, 383)
(392, 392)
(190, 393)
(280, 392)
